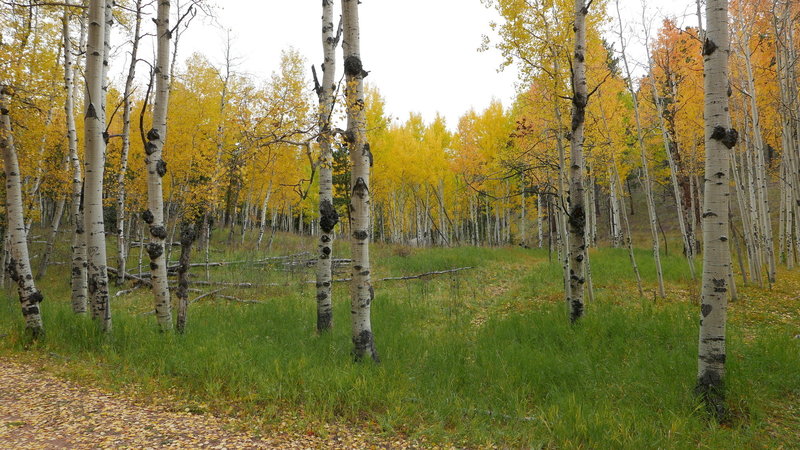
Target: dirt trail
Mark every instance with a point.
(39, 410)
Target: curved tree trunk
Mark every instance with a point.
(361, 290)
(156, 169)
(719, 139)
(19, 266)
(95, 160)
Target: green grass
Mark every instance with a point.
(483, 356)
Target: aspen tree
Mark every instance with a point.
(78, 278)
(122, 245)
(361, 290)
(670, 145)
(719, 139)
(19, 265)
(647, 182)
(94, 125)
(328, 217)
(156, 169)
(577, 210)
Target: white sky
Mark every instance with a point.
(421, 54)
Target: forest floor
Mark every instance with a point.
(40, 410)
(482, 357)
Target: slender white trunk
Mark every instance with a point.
(361, 290)
(719, 140)
(577, 207)
(328, 216)
(122, 253)
(78, 278)
(627, 234)
(19, 265)
(646, 183)
(95, 145)
(51, 237)
(156, 169)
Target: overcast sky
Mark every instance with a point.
(422, 54)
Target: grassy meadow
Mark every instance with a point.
(480, 357)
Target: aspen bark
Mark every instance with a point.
(156, 169)
(647, 183)
(188, 236)
(95, 145)
(361, 290)
(122, 253)
(670, 145)
(51, 237)
(577, 209)
(719, 139)
(764, 211)
(78, 280)
(328, 217)
(19, 265)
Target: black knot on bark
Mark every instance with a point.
(4, 111)
(150, 148)
(720, 285)
(154, 250)
(161, 168)
(328, 217)
(188, 235)
(157, 231)
(368, 153)
(106, 137)
(91, 112)
(148, 217)
(579, 57)
(360, 189)
(353, 66)
(349, 137)
(706, 309)
(36, 297)
(709, 47)
(577, 219)
(360, 235)
(731, 138)
(153, 266)
(153, 135)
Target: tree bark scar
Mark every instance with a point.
(328, 216)
(706, 309)
(158, 231)
(353, 66)
(154, 250)
(709, 47)
(153, 135)
(161, 168)
(360, 188)
(148, 217)
(91, 112)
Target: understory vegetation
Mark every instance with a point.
(480, 356)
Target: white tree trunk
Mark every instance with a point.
(19, 265)
(122, 245)
(361, 290)
(577, 207)
(78, 279)
(647, 183)
(720, 138)
(95, 145)
(156, 169)
(328, 217)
